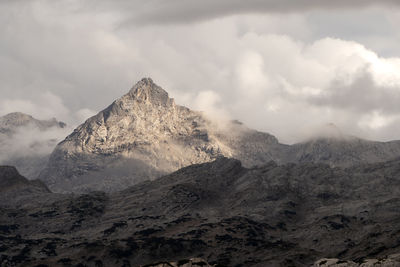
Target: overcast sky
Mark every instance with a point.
(285, 67)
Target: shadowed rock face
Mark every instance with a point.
(143, 135)
(15, 188)
(10, 179)
(271, 215)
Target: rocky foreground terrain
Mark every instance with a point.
(144, 135)
(26, 142)
(222, 212)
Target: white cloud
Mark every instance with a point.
(210, 103)
(46, 106)
(83, 114)
(375, 120)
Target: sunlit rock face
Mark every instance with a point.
(143, 135)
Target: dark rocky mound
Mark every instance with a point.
(12, 181)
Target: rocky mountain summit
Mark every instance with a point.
(270, 215)
(26, 142)
(143, 135)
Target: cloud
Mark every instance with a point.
(45, 106)
(30, 141)
(362, 95)
(274, 71)
(175, 11)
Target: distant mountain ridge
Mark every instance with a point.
(144, 134)
(10, 122)
(26, 142)
(343, 152)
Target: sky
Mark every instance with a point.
(286, 67)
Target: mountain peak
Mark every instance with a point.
(14, 120)
(147, 91)
(145, 134)
(18, 117)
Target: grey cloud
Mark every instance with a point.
(176, 11)
(76, 51)
(362, 95)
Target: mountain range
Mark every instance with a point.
(144, 135)
(147, 182)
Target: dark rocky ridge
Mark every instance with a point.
(15, 188)
(272, 215)
(10, 180)
(144, 135)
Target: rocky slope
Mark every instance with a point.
(272, 215)
(26, 142)
(143, 135)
